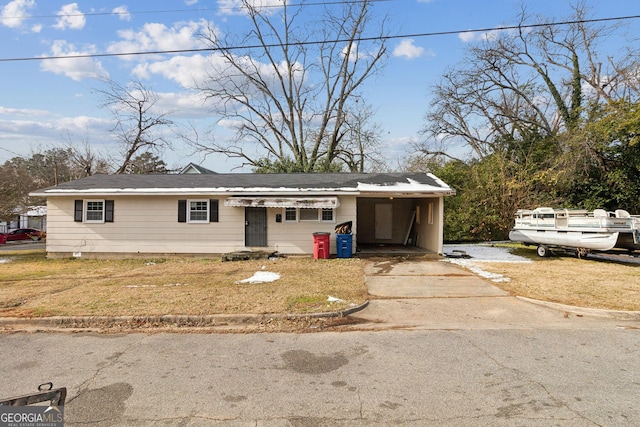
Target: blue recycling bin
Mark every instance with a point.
(344, 243)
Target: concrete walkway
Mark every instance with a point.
(434, 294)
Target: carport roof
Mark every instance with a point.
(251, 183)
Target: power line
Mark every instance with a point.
(360, 39)
(198, 9)
(12, 152)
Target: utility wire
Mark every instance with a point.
(360, 39)
(198, 9)
(12, 152)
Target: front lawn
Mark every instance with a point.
(33, 286)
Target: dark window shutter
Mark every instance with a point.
(108, 210)
(213, 210)
(77, 210)
(182, 211)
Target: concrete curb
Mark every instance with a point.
(582, 311)
(169, 320)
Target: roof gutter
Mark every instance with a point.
(101, 192)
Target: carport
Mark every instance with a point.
(401, 222)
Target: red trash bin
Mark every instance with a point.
(321, 246)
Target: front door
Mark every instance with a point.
(255, 226)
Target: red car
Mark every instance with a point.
(24, 234)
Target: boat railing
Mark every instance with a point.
(619, 220)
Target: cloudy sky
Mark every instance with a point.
(46, 103)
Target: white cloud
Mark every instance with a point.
(15, 12)
(25, 137)
(159, 37)
(199, 70)
(26, 112)
(80, 123)
(123, 13)
(70, 17)
(37, 28)
(473, 36)
(190, 2)
(408, 49)
(183, 104)
(353, 54)
(236, 7)
(55, 126)
(8, 128)
(467, 36)
(188, 71)
(74, 68)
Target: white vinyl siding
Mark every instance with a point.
(137, 232)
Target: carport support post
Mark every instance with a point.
(441, 225)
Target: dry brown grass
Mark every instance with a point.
(568, 280)
(31, 285)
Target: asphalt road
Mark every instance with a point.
(22, 246)
(536, 377)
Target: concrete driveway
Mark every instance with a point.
(435, 294)
(426, 279)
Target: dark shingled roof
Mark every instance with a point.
(290, 181)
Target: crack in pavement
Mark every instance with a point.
(84, 386)
(522, 375)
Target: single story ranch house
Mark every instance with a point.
(198, 214)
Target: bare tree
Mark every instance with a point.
(360, 148)
(288, 93)
(138, 123)
(84, 160)
(535, 108)
(533, 80)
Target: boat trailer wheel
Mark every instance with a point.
(582, 252)
(543, 251)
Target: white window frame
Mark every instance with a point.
(190, 211)
(284, 214)
(85, 211)
(318, 216)
(333, 215)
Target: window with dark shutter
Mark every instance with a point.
(213, 210)
(182, 211)
(93, 211)
(77, 210)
